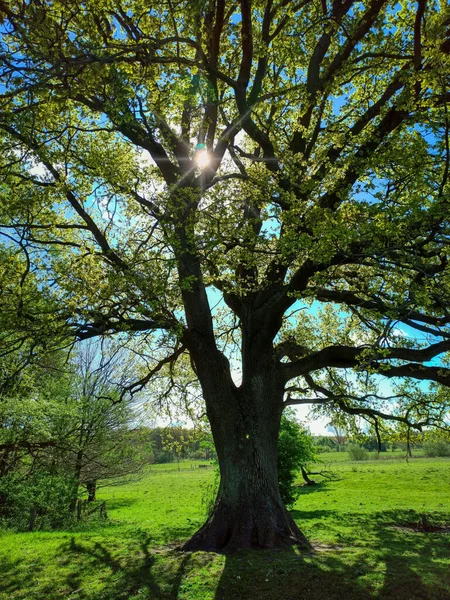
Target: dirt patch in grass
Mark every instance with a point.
(424, 526)
(320, 547)
(418, 528)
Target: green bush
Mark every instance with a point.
(36, 501)
(295, 449)
(436, 448)
(356, 452)
(163, 456)
(320, 449)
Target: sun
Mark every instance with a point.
(201, 158)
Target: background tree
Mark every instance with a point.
(339, 432)
(176, 442)
(436, 443)
(193, 175)
(100, 434)
(29, 395)
(61, 429)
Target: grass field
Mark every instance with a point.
(355, 521)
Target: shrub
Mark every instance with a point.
(436, 448)
(37, 501)
(320, 448)
(163, 456)
(356, 452)
(295, 449)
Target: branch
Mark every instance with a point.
(76, 205)
(376, 304)
(132, 130)
(361, 411)
(137, 386)
(345, 357)
(97, 328)
(246, 44)
(393, 119)
(29, 445)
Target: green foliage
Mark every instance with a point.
(434, 448)
(176, 443)
(38, 500)
(357, 452)
(295, 450)
(338, 183)
(325, 442)
(371, 445)
(320, 449)
(60, 430)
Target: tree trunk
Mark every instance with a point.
(4, 462)
(91, 487)
(33, 515)
(245, 420)
(79, 509)
(306, 478)
(248, 511)
(77, 474)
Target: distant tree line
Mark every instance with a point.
(175, 443)
(431, 443)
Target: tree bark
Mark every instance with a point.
(306, 478)
(77, 474)
(248, 511)
(91, 487)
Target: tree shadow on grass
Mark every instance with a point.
(307, 515)
(319, 486)
(92, 570)
(115, 503)
(287, 574)
(375, 561)
(131, 575)
(417, 563)
(14, 575)
(401, 581)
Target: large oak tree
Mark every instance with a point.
(207, 174)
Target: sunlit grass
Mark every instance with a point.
(360, 553)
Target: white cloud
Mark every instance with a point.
(145, 159)
(317, 426)
(39, 171)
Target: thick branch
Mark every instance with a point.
(344, 357)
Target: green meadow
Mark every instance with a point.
(361, 523)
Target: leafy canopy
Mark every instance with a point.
(320, 220)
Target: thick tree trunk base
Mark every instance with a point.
(247, 528)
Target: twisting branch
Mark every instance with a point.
(341, 401)
(137, 386)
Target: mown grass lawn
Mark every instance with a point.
(354, 521)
